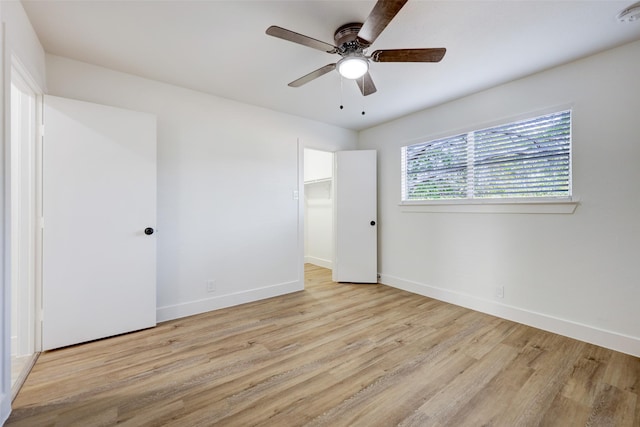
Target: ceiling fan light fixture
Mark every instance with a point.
(353, 67)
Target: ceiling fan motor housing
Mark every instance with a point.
(347, 41)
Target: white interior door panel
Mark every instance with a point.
(99, 196)
(356, 250)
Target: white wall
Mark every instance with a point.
(318, 165)
(576, 274)
(318, 202)
(226, 176)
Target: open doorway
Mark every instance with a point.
(318, 208)
(24, 207)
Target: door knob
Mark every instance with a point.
(148, 231)
(372, 223)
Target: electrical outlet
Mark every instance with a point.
(211, 286)
(499, 291)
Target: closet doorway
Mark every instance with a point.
(318, 208)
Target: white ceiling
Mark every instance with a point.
(220, 47)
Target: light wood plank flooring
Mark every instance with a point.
(333, 355)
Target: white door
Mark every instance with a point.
(99, 190)
(356, 240)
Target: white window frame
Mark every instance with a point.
(557, 204)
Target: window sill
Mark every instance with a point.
(506, 206)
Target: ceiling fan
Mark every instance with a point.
(351, 42)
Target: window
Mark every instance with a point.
(528, 158)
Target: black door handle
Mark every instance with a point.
(148, 231)
(372, 223)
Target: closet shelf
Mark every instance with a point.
(316, 181)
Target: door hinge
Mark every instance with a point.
(42, 223)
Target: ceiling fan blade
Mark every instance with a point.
(283, 33)
(383, 12)
(313, 75)
(365, 83)
(409, 55)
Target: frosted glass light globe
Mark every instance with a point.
(353, 67)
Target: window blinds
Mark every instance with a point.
(436, 169)
(528, 158)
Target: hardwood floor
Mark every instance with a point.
(333, 355)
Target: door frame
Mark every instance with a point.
(20, 73)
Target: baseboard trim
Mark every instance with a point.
(608, 339)
(190, 308)
(26, 370)
(319, 262)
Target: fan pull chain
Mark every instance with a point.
(341, 106)
(363, 89)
